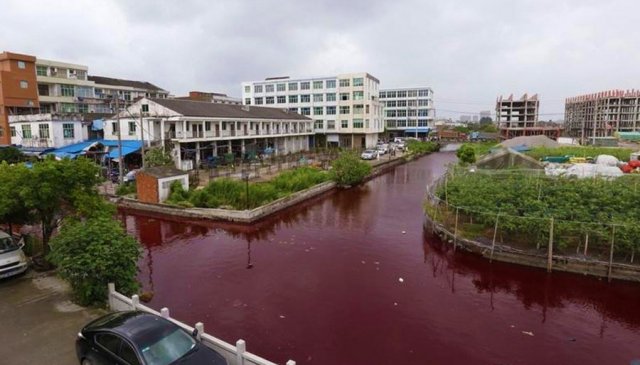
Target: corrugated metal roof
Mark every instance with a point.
(190, 108)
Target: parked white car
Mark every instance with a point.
(383, 148)
(369, 155)
(12, 259)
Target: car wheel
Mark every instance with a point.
(87, 362)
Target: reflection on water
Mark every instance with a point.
(352, 278)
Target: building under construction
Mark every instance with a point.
(519, 117)
(602, 114)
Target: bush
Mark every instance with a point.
(126, 189)
(420, 148)
(92, 253)
(348, 169)
(157, 157)
(466, 154)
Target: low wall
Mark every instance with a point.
(512, 255)
(235, 355)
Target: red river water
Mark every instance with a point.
(351, 277)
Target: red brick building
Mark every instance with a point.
(153, 183)
(18, 89)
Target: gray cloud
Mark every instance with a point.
(468, 51)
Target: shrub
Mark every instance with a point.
(126, 189)
(157, 157)
(420, 148)
(466, 154)
(348, 169)
(92, 253)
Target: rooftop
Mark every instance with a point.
(191, 108)
(163, 171)
(120, 82)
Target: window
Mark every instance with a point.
(391, 104)
(331, 84)
(293, 99)
(132, 128)
(344, 124)
(24, 84)
(412, 93)
(127, 353)
(41, 70)
(85, 92)
(411, 113)
(331, 110)
(305, 98)
(412, 103)
(114, 128)
(358, 123)
(423, 102)
(269, 100)
(344, 109)
(423, 112)
(293, 110)
(258, 101)
(411, 123)
(257, 88)
(319, 124)
(207, 126)
(22, 65)
(127, 95)
(344, 83)
(402, 113)
(317, 85)
(402, 94)
(305, 111)
(68, 108)
(317, 97)
(344, 96)
(423, 93)
(391, 94)
(331, 124)
(318, 110)
(293, 86)
(281, 87)
(43, 90)
(67, 130)
(358, 95)
(391, 113)
(367, 106)
(247, 101)
(402, 103)
(282, 99)
(358, 109)
(247, 89)
(331, 97)
(383, 94)
(305, 85)
(422, 123)
(358, 81)
(268, 88)
(109, 342)
(83, 108)
(12, 130)
(67, 90)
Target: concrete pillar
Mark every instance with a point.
(197, 155)
(215, 148)
(162, 133)
(184, 129)
(177, 154)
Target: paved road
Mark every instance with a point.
(38, 321)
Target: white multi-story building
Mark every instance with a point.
(47, 130)
(199, 130)
(345, 109)
(408, 111)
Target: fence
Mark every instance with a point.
(594, 247)
(235, 355)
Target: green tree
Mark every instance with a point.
(466, 154)
(11, 155)
(486, 120)
(92, 253)
(348, 169)
(12, 207)
(157, 157)
(55, 189)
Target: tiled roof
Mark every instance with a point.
(119, 82)
(190, 108)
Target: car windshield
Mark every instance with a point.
(369, 151)
(7, 244)
(168, 348)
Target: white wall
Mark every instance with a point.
(165, 184)
(56, 135)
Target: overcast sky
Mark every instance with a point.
(469, 52)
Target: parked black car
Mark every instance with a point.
(140, 338)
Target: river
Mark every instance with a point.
(352, 278)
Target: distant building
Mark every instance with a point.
(211, 98)
(602, 114)
(485, 114)
(408, 111)
(18, 90)
(474, 119)
(465, 118)
(345, 109)
(519, 117)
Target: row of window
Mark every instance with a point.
(306, 98)
(331, 110)
(390, 123)
(304, 85)
(405, 103)
(404, 113)
(68, 131)
(404, 94)
(60, 72)
(331, 124)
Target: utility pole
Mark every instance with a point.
(121, 160)
(142, 134)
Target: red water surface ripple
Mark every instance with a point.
(336, 281)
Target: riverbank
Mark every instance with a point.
(249, 216)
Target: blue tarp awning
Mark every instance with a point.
(417, 130)
(110, 148)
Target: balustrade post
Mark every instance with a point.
(164, 312)
(200, 327)
(135, 301)
(241, 348)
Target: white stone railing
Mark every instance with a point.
(235, 355)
